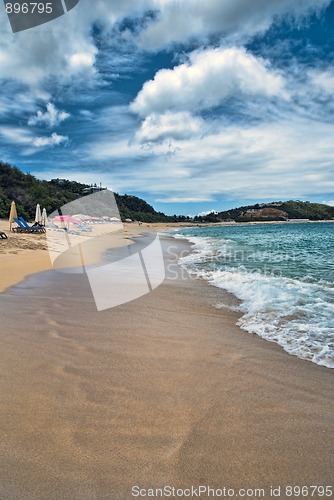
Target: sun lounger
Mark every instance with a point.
(37, 229)
(55, 227)
(20, 228)
(84, 228)
(23, 227)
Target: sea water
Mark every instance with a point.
(283, 275)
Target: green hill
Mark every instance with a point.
(275, 211)
(27, 191)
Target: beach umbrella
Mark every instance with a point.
(12, 214)
(44, 217)
(66, 218)
(81, 216)
(38, 214)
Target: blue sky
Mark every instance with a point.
(193, 105)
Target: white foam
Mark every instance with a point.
(297, 315)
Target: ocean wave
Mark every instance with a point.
(297, 314)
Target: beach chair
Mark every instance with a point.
(84, 228)
(32, 229)
(20, 228)
(3, 235)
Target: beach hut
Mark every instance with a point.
(12, 214)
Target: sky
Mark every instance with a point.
(194, 106)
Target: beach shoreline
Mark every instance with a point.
(26, 254)
(22, 254)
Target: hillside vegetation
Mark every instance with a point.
(27, 191)
(275, 211)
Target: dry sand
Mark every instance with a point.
(164, 390)
(24, 254)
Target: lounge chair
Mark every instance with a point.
(38, 229)
(55, 227)
(3, 235)
(23, 227)
(84, 228)
(20, 228)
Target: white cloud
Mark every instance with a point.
(184, 20)
(53, 140)
(169, 125)
(82, 60)
(22, 103)
(65, 48)
(183, 199)
(23, 137)
(51, 118)
(322, 81)
(16, 135)
(206, 80)
(207, 212)
(330, 203)
(289, 158)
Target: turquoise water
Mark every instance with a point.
(283, 275)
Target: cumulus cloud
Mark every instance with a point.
(32, 57)
(65, 48)
(51, 118)
(207, 79)
(53, 140)
(181, 125)
(185, 20)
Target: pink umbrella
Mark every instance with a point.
(66, 218)
(81, 216)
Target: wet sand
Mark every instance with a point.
(165, 390)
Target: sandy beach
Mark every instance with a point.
(25, 254)
(165, 390)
